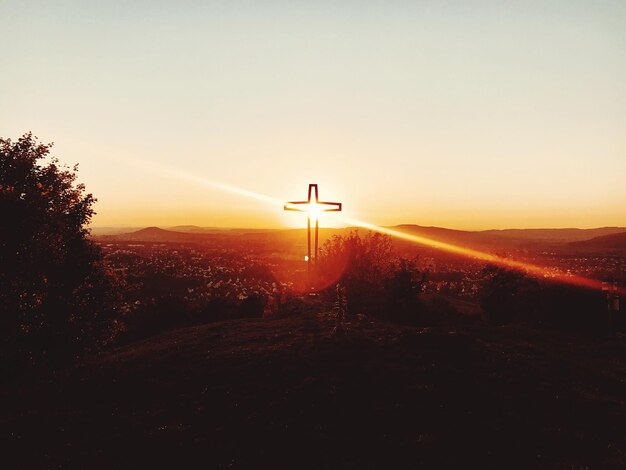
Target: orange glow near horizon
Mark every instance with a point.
(314, 210)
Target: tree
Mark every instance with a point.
(402, 288)
(508, 296)
(513, 297)
(252, 306)
(55, 295)
(360, 264)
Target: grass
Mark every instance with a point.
(285, 393)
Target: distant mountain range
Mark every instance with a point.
(557, 234)
(605, 238)
(156, 234)
(614, 241)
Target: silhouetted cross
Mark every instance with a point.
(313, 208)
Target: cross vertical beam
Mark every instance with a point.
(313, 207)
(308, 240)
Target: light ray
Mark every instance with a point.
(529, 268)
(201, 180)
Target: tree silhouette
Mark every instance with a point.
(54, 291)
(513, 297)
(508, 296)
(360, 264)
(402, 288)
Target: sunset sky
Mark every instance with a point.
(469, 115)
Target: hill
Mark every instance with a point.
(190, 228)
(286, 393)
(458, 237)
(616, 241)
(197, 229)
(100, 231)
(157, 235)
(555, 234)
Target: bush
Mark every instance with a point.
(375, 281)
(508, 296)
(512, 297)
(171, 311)
(252, 306)
(572, 308)
(361, 265)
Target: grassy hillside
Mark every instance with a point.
(286, 393)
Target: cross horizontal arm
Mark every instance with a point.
(288, 206)
(330, 206)
(336, 208)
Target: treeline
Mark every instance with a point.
(379, 284)
(375, 281)
(512, 297)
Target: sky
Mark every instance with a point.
(469, 114)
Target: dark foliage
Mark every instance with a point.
(294, 305)
(55, 296)
(252, 306)
(401, 289)
(512, 297)
(374, 280)
(171, 311)
(572, 308)
(360, 265)
(508, 296)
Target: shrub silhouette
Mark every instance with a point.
(360, 264)
(508, 296)
(252, 306)
(572, 308)
(55, 296)
(512, 297)
(375, 280)
(401, 294)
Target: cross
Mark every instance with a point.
(313, 208)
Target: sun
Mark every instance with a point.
(314, 210)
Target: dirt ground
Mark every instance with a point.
(286, 393)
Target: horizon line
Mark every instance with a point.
(216, 227)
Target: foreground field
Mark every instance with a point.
(287, 393)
